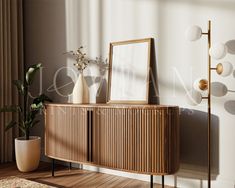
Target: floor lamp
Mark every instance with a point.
(195, 96)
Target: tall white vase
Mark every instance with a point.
(80, 91)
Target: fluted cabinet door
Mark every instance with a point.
(138, 140)
(66, 133)
(122, 139)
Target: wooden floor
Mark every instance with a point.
(73, 178)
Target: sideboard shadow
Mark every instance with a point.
(193, 144)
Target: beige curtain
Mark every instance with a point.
(11, 67)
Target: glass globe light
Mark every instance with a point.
(200, 85)
(224, 69)
(193, 33)
(194, 97)
(218, 51)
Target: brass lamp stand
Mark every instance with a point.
(204, 84)
(194, 33)
(209, 105)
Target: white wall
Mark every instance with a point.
(55, 26)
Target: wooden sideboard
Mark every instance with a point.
(134, 138)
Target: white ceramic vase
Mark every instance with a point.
(80, 91)
(27, 153)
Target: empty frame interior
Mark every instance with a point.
(129, 71)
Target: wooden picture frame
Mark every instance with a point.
(128, 80)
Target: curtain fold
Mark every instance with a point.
(11, 68)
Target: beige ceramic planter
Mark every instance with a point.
(27, 153)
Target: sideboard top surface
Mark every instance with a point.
(102, 105)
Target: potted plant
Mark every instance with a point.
(27, 148)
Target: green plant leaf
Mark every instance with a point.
(26, 125)
(34, 123)
(41, 99)
(30, 118)
(37, 106)
(20, 86)
(31, 73)
(33, 114)
(12, 108)
(10, 125)
(22, 128)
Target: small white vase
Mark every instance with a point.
(27, 153)
(80, 91)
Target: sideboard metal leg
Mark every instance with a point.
(70, 166)
(163, 181)
(53, 167)
(151, 181)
